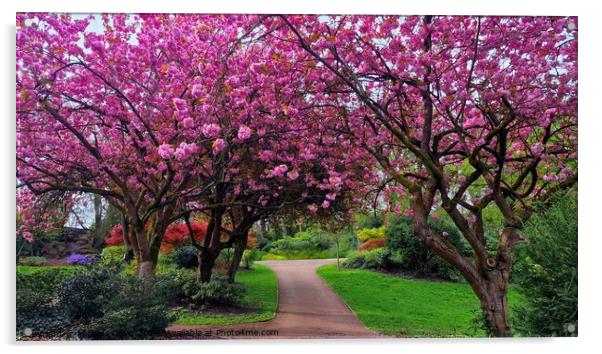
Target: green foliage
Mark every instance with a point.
(260, 300)
(314, 239)
(377, 259)
(249, 257)
(137, 310)
(36, 293)
(546, 271)
(408, 307)
(32, 261)
(370, 221)
(367, 234)
(112, 256)
(93, 303)
(83, 295)
(217, 291)
(185, 257)
(36, 286)
(417, 259)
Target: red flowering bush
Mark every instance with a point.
(175, 236)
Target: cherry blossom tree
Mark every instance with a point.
(169, 115)
(462, 113)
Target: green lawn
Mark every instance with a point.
(406, 307)
(261, 294)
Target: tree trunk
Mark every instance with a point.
(205, 267)
(240, 245)
(127, 242)
(97, 216)
(495, 307)
(488, 278)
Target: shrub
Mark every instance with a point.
(186, 257)
(36, 289)
(354, 260)
(249, 257)
(370, 221)
(417, 259)
(32, 261)
(372, 243)
(546, 271)
(218, 291)
(36, 299)
(112, 256)
(311, 239)
(376, 259)
(83, 295)
(81, 259)
(137, 310)
(368, 234)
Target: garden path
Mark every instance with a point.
(307, 308)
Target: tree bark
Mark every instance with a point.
(495, 305)
(211, 246)
(205, 267)
(127, 242)
(488, 279)
(240, 245)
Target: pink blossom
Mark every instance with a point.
(278, 171)
(313, 208)
(335, 181)
(185, 150)
(180, 104)
(166, 151)
(244, 132)
(211, 130)
(331, 196)
(292, 175)
(197, 90)
(537, 149)
(549, 178)
(445, 234)
(188, 123)
(218, 145)
(28, 236)
(325, 204)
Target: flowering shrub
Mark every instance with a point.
(80, 259)
(175, 236)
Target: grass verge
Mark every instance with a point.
(261, 296)
(408, 307)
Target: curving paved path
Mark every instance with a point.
(307, 308)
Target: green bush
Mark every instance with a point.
(99, 303)
(546, 271)
(370, 221)
(249, 257)
(376, 259)
(137, 310)
(310, 239)
(83, 295)
(186, 257)
(218, 291)
(32, 261)
(37, 287)
(112, 256)
(418, 260)
(36, 293)
(368, 234)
